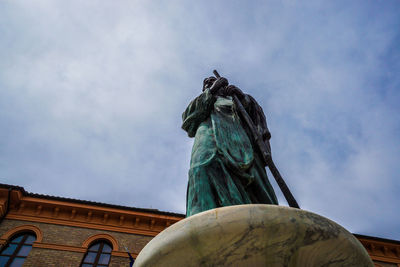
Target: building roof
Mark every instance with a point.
(26, 193)
(384, 240)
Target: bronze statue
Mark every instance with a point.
(227, 164)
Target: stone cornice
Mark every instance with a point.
(381, 250)
(36, 209)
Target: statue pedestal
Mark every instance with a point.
(254, 235)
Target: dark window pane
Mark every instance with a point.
(3, 260)
(106, 248)
(24, 251)
(17, 240)
(102, 250)
(95, 247)
(104, 258)
(90, 257)
(17, 262)
(30, 239)
(10, 249)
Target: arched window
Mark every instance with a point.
(98, 254)
(17, 249)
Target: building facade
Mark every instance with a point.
(39, 230)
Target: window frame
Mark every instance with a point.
(98, 252)
(20, 244)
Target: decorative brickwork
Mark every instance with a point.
(383, 252)
(22, 228)
(69, 238)
(100, 216)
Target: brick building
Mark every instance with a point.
(39, 230)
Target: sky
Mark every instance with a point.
(92, 92)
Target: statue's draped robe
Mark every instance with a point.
(225, 169)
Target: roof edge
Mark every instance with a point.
(87, 202)
(380, 239)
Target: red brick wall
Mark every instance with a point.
(39, 257)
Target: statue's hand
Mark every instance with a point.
(233, 90)
(218, 84)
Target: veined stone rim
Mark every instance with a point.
(283, 236)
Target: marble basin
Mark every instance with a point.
(254, 235)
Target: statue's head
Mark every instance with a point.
(208, 82)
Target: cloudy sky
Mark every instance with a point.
(92, 92)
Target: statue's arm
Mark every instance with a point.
(197, 112)
(252, 108)
(257, 115)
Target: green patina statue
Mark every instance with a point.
(226, 168)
